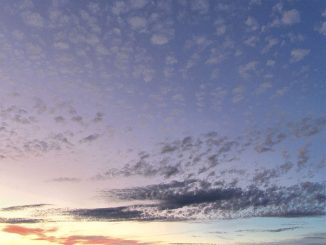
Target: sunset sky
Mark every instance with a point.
(162, 122)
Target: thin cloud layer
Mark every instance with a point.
(39, 234)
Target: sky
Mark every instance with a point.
(162, 122)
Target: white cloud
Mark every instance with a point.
(281, 91)
(263, 87)
(33, 19)
(220, 30)
(238, 94)
(291, 17)
(271, 42)
(138, 4)
(159, 39)
(119, 7)
(255, 2)
(251, 41)
(324, 13)
(322, 29)
(299, 54)
(201, 6)
(170, 60)
(61, 45)
(137, 22)
(270, 62)
(252, 23)
(245, 69)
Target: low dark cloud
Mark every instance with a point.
(108, 214)
(192, 198)
(65, 179)
(272, 230)
(20, 221)
(23, 207)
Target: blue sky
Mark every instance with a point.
(200, 113)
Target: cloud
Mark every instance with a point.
(303, 157)
(210, 154)
(312, 239)
(108, 214)
(252, 23)
(23, 207)
(191, 198)
(291, 17)
(137, 22)
(200, 6)
(263, 87)
(272, 230)
(40, 234)
(299, 54)
(20, 221)
(25, 231)
(322, 28)
(33, 19)
(65, 179)
(308, 126)
(248, 68)
(159, 39)
(138, 4)
(90, 138)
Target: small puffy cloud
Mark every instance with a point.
(322, 28)
(251, 41)
(252, 23)
(33, 19)
(270, 62)
(263, 87)
(324, 13)
(61, 45)
(245, 69)
(137, 22)
(138, 4)
(238, 94)
(291, 17)
(200, 6)
(159, 39)
(255, 2)
(220, 30)
(170, 60)
(299, 54)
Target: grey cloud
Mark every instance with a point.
(305, 199)
(20, 221)
(23, 207)
(108, 214)
(308, 126)
(90, 138)
(272, 230)
(312, 239)
(59, 119)
(213, 152)
(271, 139)
(18, 121)
(65, 179)
(303, 157)
(264, 176)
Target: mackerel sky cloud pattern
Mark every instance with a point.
(176, 116)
